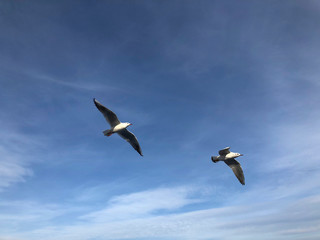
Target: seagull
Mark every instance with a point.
(229, 158)
(118, 127)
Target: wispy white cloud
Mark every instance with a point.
(141, 204)
(14, 163)
(18, 151)
(284, 220)
(11, 171)
(18, 212)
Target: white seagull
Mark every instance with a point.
(118, 127)
(229, 158)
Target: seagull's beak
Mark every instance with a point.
(241, 155)
(130, 124)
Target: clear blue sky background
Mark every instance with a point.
(193, 77)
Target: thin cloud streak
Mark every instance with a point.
(84, 85)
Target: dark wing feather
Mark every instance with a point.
(110, 116)
(236, 168)
(131, 138)
(224, 151)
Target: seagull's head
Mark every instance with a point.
(238, 155)
(128, 124)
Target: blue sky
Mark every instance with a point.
(193, 77)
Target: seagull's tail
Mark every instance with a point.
(214, 159)
(107, 132)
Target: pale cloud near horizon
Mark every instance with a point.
(286, 218)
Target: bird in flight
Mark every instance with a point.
(118, 127)
(229, 158)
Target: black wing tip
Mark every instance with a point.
(97, 103)
(242, 181)
(139, 151)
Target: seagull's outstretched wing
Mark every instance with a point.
(224, 151)
(130, 138)
(110, 116)
(236, 168)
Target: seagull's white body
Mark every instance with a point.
(229, 158)
(118, 127)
